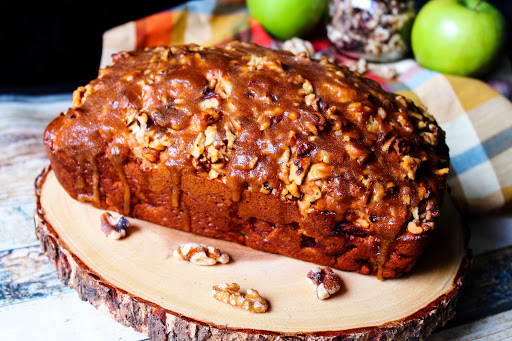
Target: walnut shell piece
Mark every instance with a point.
(229, 293)
(201, 254)
(324, 281)
(114, 228)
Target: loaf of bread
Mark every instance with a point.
(260, 147)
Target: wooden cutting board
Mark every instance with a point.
(137, 281)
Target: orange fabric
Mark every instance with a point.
(155, 29)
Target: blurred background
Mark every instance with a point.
(52, 47)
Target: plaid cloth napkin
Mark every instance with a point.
(477, 119)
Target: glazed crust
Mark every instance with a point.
(259, 147)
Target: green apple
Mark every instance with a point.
(285, 19)
(461, 37)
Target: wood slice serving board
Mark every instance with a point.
(137, 281)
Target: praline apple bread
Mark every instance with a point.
(260, 147)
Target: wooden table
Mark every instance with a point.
(35, 305)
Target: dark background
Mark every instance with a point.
(51, 47)
(56, 46)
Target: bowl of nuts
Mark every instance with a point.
(376, 30)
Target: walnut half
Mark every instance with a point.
(114, 229)
(229, 293)
(325, 282)
(201, 254)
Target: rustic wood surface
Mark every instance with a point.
(33, 298)
(123, 279)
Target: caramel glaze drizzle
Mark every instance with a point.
(185, 217)
(382, 258)
(175, 175)
(116, 161)
(176, 202)
(94, 197)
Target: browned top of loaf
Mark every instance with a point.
(265, 120)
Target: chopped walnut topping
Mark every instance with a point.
(307, 88)
(313, 193)
(209, 134)
(360, 218)
(129, 116)
(284, 173)
(362, 222)
(209, 103)
(442, 171)
(357, 110)
(388, 143)
(260, 63)
(296, 79)
(319, 171)
(79, 96)
(402, 120)
(213, 174)
(410, 164)
(298, 169)
(354, 151)
(416, 115)
(373, 125)
(382, 113)
(311, 100)
(324, 281)
(224, 88)
(414, 228)
(401, 100)
(293, 189)
(406, 199)
(231, 138)
(264, 121)
(285, 157)
(324, 156)
(159, 142)
(378, 192)
(255, 62)
(430, 138)
(213, 154)
(143, 124)
(415, 214)
(311, 128)
(114, 228)
(252, 163)
(427, 226)
(266, 188)
(365, 181)
(198, 146)
(136, 123)
(335, 120)
(150, 154)
(229, 293)
(201, 254)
